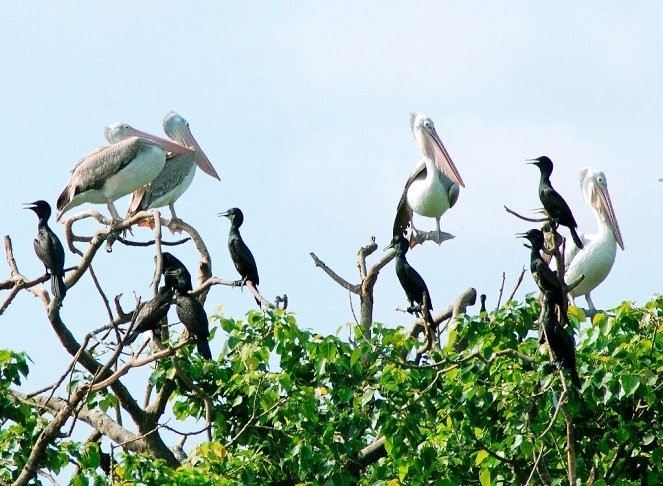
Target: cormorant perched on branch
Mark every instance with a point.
(544, 277)
(151, 313)
(192, 314)
(171, 263)
(561, 342)
(413, 284)
(553, 203)
(48, 248)
(239, 252)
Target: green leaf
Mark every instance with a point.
(367, 397)
(356, 355)
(484, 476)
(481, 455)
(629, 383)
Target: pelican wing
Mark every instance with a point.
(403, 210)
(172, 175)
(101, 164)
(572, 251)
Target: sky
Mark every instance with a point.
(303, 108)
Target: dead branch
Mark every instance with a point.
(525, 218)
(334, 276)
(518, 282)
(499, 297)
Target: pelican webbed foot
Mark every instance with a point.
(419, 237)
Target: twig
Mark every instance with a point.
(518, 282)
(101, 292)
(158, 268)
(531, 220)
(152, 242)
(499, 298)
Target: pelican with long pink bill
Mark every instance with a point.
(133, 159)
(597, 256)
(433, 186)
(176, 175)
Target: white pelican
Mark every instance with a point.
(132, 159)
(432, 188)
(176, 175)
(595, 260)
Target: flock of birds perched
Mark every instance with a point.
(158, 171)
(433, 188)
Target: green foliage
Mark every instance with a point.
(290, 405)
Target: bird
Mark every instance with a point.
(561, 343)
(433, 185)
(483, 312)
(151, 313)
(48, 248)
(181, 282)
(413, 284)
(177, 173)
(544, 277)
(553, 203)
(192, 314)
(132, 159)
(595, 260)
(239, 252)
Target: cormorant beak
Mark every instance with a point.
(225, 213)
(32, 206)
(390, 247)
(521, 235)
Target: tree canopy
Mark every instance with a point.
(375, 404)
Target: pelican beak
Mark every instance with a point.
(600, 199)
(158, 141)
(201, 159)
(434, 146)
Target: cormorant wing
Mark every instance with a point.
(547, 279)
(243, 259)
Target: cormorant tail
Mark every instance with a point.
(576, 238)
(575, 378)
(58, 288)
(203, 347)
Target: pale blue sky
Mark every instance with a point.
(304, 109)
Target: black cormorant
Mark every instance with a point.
(413, 284)
(239, 252)
(561, 343)
(544, 277)
(171, 263)
(553, 203)
(48, 248)
(192, 314)
(151, 313)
